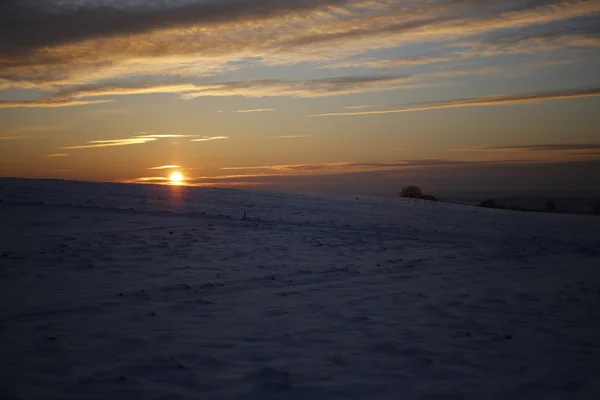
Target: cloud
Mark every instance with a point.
(51, 103)
(290, 137)
(110, 143)
(139, 138)
(68, 43)
(484, 101)
(151, 179)
(307, 88)
(572, 177)
(14, 137)
(386, 63)
(255, 110)
(557, 147)
(255, 88)
(162, 136)
(251, 88)
(347, 167)
(55, 155)
(165, 167)
(210, 138)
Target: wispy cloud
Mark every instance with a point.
(56, 155)
(165, 167)
(329, 167)
(253, 88)
(14, 137)
(290, 137)
(329, 170)
(150, 179)
(255, 110)
(51, 103)
(489, 176)
(555, 147)
(386, 63)
(110, 143)
(483, 101)
(209, 138)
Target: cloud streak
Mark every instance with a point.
(110, 143)
(386, 63)
(51, 103)
(164, 167)
(556, 147)
(255, 110)
(483, 101)
(14, 137)
(346, 167)
(209, 138)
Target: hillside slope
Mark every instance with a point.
(127, 292)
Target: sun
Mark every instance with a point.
(176, 177)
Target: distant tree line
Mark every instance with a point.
(549, 207)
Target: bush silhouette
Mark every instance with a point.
(412, 192)
(489, 203)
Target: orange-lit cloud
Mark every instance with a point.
(139, 138)
(55, 155)
(165, 167)
(209, 138)
(153, 179)
(110, 143)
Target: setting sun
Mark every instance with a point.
(176, 177)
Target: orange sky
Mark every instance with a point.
(278, 94)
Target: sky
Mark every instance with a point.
(357, 96)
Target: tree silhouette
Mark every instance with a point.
(597, 211)
(412, 192)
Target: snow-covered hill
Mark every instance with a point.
(154, 292)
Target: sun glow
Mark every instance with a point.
(176, 177)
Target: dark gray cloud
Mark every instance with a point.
(572, 178)
(24, 27)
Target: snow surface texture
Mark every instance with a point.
(112, 291)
